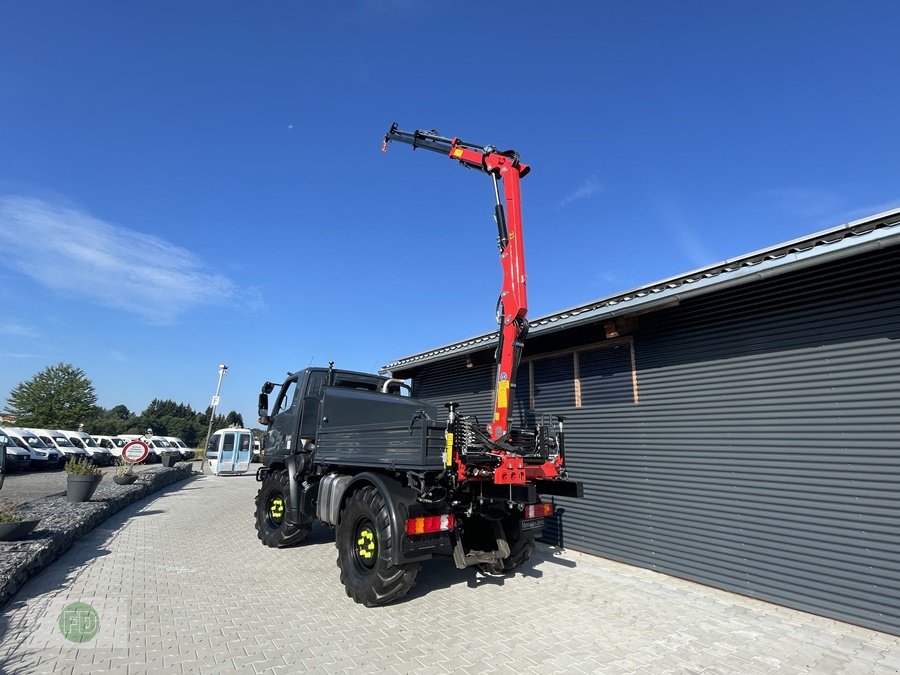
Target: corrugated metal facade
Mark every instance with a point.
(748, 439)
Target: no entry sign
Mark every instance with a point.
(135, 451)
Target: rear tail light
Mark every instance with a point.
(428, 524)
(538, 510)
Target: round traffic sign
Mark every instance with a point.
(135, 451)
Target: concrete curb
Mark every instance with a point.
(62, 523)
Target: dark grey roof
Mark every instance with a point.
(852, 238)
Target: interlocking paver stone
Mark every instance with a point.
(185, 587)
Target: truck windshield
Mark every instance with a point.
(89, 442)
(36, 442)
(63, 441)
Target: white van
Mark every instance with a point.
(187, 454)
(98, 455)
(17, 459)
(42, 455)
(112, 443)
(59, 441)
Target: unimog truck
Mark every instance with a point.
(357, 452)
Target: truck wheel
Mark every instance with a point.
(363, 541)
(272, 504)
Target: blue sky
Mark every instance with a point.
(188, 184)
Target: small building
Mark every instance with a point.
(738, 426)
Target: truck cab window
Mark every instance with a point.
(287, 396)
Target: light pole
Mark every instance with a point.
(212, 416)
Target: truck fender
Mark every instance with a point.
(296, 466)
(293, 488)
(398, 500)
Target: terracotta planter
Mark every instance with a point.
(125, 480)
(81, 488)
(16, 531)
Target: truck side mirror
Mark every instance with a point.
(263, 405)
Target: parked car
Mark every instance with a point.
(112, 443)
(17, 459)
(187, 453)
(80, 439)
(59, 441)
(42, 455)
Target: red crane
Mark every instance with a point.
(512, 305)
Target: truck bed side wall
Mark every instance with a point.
(366, 428)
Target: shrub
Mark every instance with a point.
(82, 467)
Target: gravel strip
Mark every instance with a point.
(63, 522)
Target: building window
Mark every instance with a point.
(606, 374)
(595, 375)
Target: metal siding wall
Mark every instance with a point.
(764, 456)
(451, 380)
(554, 383)
(605, 375)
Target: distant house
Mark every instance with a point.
(738, 425)
(7, 418)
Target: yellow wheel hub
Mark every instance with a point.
(365, 544)
(276, 508)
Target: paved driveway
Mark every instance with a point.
(179, 584)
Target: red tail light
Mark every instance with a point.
(538, 510)
(428, 524)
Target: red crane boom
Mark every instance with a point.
(512, 305)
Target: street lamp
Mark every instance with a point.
(212, 416)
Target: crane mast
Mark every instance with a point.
(512, 306)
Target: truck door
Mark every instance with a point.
(284, 418)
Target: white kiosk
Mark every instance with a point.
(229, 451)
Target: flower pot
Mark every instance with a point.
(128, 479)
(170, 460)
(16, 531)
(81, 488)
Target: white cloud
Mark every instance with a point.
(590, 187)
(688, 242)
(18, 329)
(74, 253)
(804, 202)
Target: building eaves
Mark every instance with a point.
(852, 238)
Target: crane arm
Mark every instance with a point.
(505, 167)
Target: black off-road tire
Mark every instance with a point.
(364, 539)
(272, 505)
(520, 551)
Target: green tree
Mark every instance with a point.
(58, 397)
(111, 421)
(234, 419)
(121, 412)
